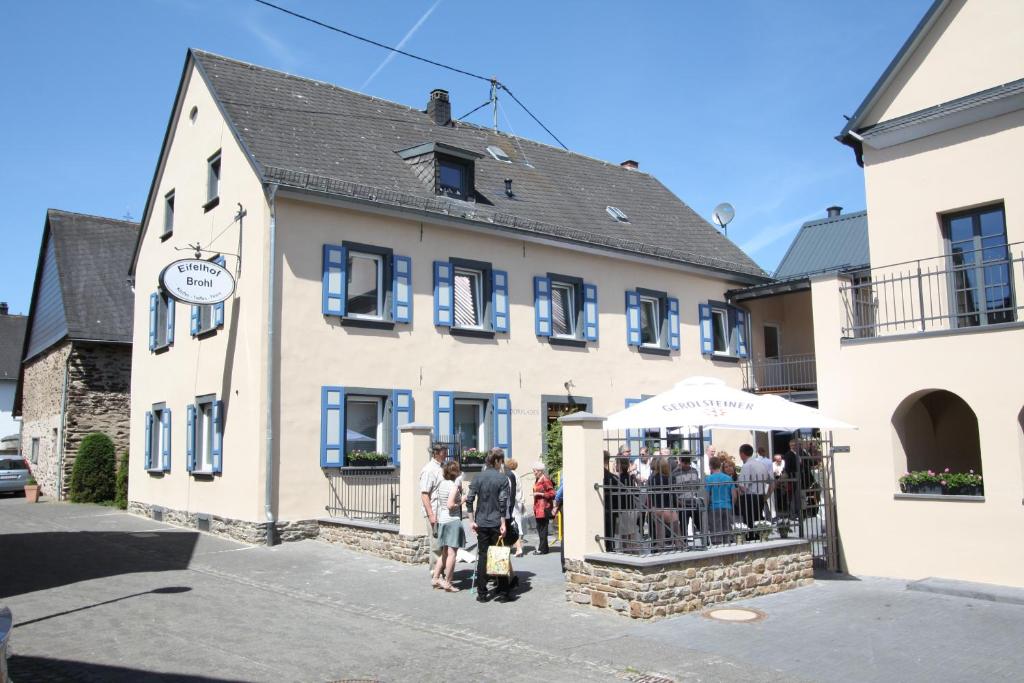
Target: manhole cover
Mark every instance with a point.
(736, 615)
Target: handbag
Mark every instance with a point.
(511, 532)
(499, 559)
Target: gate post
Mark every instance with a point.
(582, 468)
(415, 441)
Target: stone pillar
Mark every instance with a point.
(582, 467)
(828, 311)
(415, 442)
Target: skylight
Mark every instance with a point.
(617, 214)
(499, 154)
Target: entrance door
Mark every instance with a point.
(817, 496)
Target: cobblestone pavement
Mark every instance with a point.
(100, 595)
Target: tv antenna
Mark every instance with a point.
(723, 215)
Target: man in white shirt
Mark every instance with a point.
(755, 482)
(431, 477)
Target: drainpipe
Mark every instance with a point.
(268, 494)
(63, 424)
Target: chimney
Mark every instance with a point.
(630, 164)
(3, 308)
(439, 108)
(834, 211)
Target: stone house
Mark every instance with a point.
(12, 338)
(76, 360)
(394, 265)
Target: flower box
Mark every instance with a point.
(367, 459)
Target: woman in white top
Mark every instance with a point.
(516, 504)
(450, 534)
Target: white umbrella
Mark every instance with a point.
(708, 402)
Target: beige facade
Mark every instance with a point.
(312, 350)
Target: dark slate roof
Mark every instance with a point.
(316, 136)
(12, 337)
(839, 243)
(93, 255)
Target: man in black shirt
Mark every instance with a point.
(487, 503)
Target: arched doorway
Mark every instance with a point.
(936, 429)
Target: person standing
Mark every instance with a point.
(431, 477)
(755, 482)
(778, 497)
(543, 495)
(555, 509)
(451, 536)
(688, 480)
(721, 499)
(487, 502)
(515, 501)
(791, 468)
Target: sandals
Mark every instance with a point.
(519, 554)
(448, 587)
(437, 582)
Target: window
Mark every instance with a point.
(34, 453)
(650, 321)
(210, 317)
(212, 181)
(980, 281)
(499, 154)
(771, 341)
(158, 439)
(452, 178)
(161, 321)
(469, 423)
(617, 214)
(468, 293)
(365, 285)
(205, 435)
(364, 424)
(168, 213)
(723, 330)
(563, 310)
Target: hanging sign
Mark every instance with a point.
(198, 282)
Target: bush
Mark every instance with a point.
(553, 457)
(92, 477)
(121, 497)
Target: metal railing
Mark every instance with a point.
(960, 290)
(797, 372)
(364, 493)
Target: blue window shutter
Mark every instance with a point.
(673, 323)
(165, 440)
(443, 294)
(190, 438)
(499, 300)
(503, 422)
(217, 451)
(218, 309)
(152, 321)
(706, 337)
(170, 320)
(148, 461)
(444, 414)
(402, 413)
(633, 319)
(401, 286)
(741, 333)
(542, 306)
(590, 317)
(332, 426)
(634, 436)
(195, 320)
(335, 280)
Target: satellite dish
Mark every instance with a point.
(723, 214)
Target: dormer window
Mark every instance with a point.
(499, 154)
(446, 169)
(617, 214)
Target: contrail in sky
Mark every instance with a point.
(401, 44)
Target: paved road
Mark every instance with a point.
(99, 595)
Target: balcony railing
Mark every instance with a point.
(787, 373)
(365, 493)
(965, 289)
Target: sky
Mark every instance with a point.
(735, 101)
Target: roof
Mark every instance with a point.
(318, 137)
(93, 254)
(839, 243)
(12, 337)
(920, 31)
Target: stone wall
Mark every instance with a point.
(376, 539)
(254, 533)
(41, 395)
(652, 588)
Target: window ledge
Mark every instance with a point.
(932, 496)
(211, 204)
(203, 474)
(654, 351)
(722, 357)
(156, 473)
(209, 332)
(362, 469)
(477, 334)
(565, 341)
(162, 348)
(166, 236)
(368, 324)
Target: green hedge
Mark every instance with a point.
(92, 478)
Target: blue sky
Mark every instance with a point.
(723, 101)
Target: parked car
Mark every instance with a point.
(14, 474)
